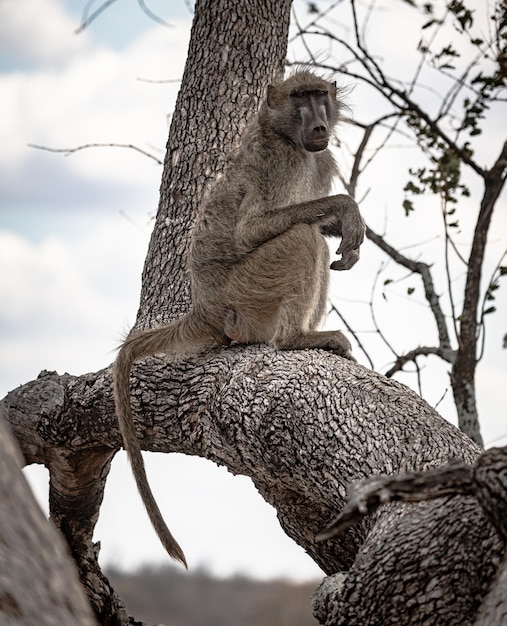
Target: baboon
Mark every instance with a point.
(258, 259)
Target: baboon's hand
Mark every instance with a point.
(353, 229)
(347, 260)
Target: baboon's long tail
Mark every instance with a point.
(178, 337)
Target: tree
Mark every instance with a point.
(302, 424)
(440, 106)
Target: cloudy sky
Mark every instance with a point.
(73, 235)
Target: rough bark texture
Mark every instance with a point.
(491, 477)
(302, 424)
(486, 483)
(38, 581)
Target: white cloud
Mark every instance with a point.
(65, 304)
(93, 97)
(39, 31)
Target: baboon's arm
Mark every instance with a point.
(338, 216)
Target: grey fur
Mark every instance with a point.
(259, 264)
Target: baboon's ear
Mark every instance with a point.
(270, 96)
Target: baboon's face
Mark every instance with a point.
(303, 109)
(313, 109)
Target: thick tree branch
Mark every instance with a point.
(283, 418)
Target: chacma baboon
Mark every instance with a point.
(259, 263)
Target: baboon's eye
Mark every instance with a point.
(320, 93)
(298, 94)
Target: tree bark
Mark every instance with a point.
(303, 424)
(38, 581)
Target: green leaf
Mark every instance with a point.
(388, 281)
(408, 207)
(410, 290)
(428, 24)
(491, 309)
(503, 270)
(410, 186)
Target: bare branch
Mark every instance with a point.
(485, 481)
(69, 151)
(495, 180)
(399, 98)
(86, 19)
(447, 241)
(300, 32)
(322, 14)
(168, 80)
(429, 289)
(412, 356)
(354, 175)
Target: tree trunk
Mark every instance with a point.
(463, 369)
(303, 424)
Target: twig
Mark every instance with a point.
(87, 19)
(372, 312)
(354, 334)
